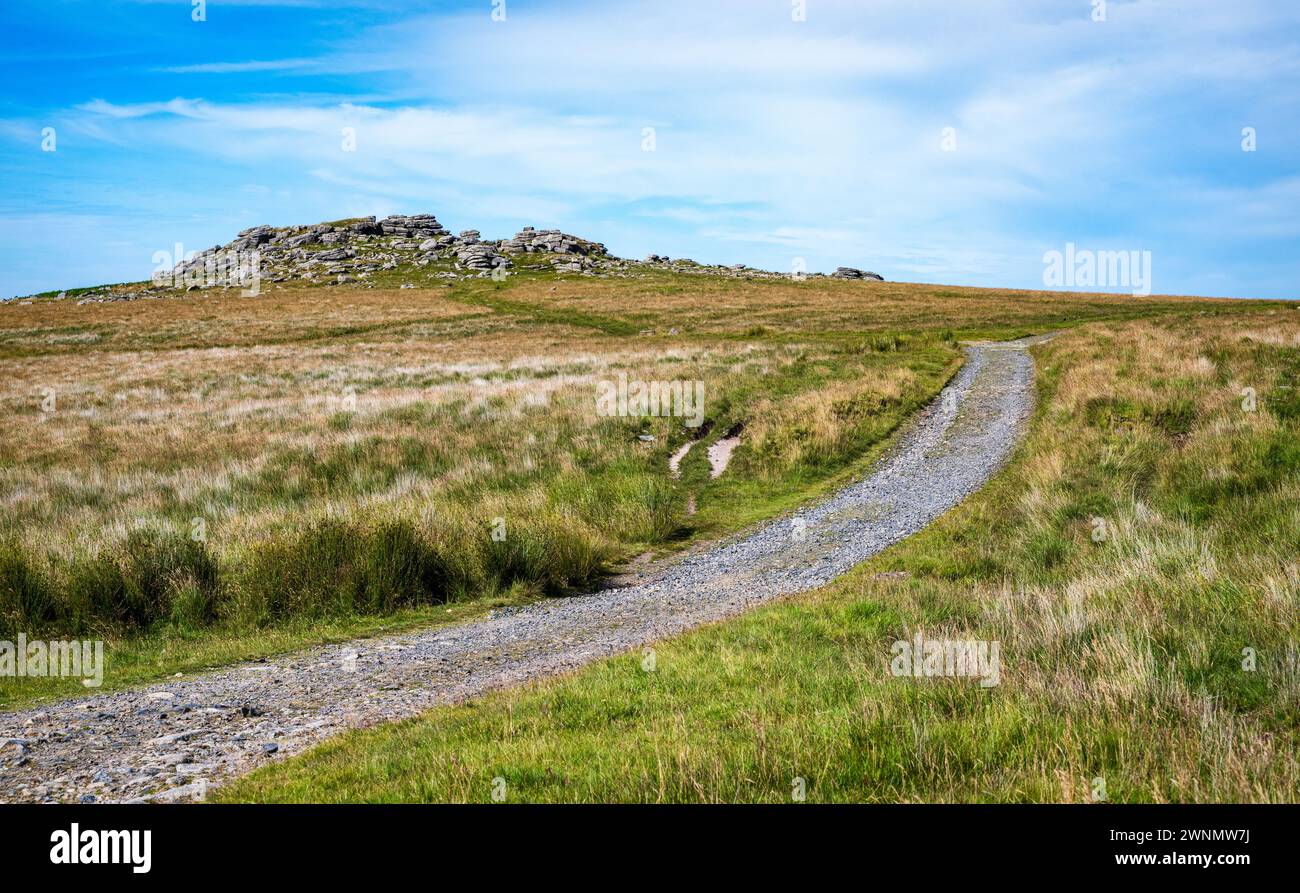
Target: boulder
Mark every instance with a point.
(367, 227)
(480, 256)
(550, 241)
(420, 226)
(855, 273)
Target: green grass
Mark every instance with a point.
(1123, 660)
(491, 294)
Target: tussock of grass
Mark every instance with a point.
(149, 577)
(814, 429)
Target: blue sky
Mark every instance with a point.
(774, 139)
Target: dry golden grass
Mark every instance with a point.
(716, 305)
(185, 404)
(219, 318)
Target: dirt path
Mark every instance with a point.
(170, 741)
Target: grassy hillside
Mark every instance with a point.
(206, 477)
(1137, 563)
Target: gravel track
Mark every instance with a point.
(169, 742)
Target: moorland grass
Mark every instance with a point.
(221, 465)
(1137, 562)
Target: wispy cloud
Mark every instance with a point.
(241, 67)
(185, 108)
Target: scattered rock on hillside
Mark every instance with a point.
(353, 251)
